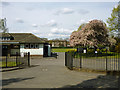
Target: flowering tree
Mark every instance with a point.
(94, 34)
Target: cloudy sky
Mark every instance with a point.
(52, 19)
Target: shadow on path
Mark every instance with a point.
(16, 68)
(106, 81)
(14, 80)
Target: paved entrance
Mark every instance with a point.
(51, 73)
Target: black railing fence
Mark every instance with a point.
(106, 61)
(18, 60)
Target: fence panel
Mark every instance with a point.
(69, 60)
(105, 61)
(15, 61)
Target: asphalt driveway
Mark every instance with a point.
(51, 73)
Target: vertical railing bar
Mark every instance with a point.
(28, 58)
(111, 56)
(80, 60)
(6, 60)
(118, 61)
(114, 61)
(110, 61)
(106, 59)
(16, 58)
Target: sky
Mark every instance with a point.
(53, 19)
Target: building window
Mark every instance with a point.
(5, 38)
(36, 46)
(8, 38)
(26, 45)
(4, 47)
(31, 46)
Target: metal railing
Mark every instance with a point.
(17, 60)
(105, 61)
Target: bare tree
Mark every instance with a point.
(3, 28)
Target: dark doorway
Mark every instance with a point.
(45, 50)
(4, 50)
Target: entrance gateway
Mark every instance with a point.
(47, 50)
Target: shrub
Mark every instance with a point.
(90, 51)
(72, 50)
(117, 48)
(112, 48)
(103, 50)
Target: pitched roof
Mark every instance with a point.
(5, 35)
(23, 38)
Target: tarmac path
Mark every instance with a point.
(51, 73)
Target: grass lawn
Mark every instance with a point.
(9, 64)
(109, 55)
(62, 49)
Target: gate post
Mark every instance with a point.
(71, 61)
(65, 58)
(6, 60)
(28, 58)
(16, 58)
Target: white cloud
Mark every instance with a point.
(81, 21)
(64, 11)
(34, 25)
(60, 0)
(51, 23)
(19, 20)
(5, 3)
(116, 6)
(67, 11)
(83, 11)
(61, 31)
(35, 31)
(51, 35)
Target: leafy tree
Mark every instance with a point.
(3, 28)
(114, 19)
(81, 26)
(94, 34)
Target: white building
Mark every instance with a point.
(24, 42)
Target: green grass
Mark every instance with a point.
(63, 49)
(9, 64)
(109, 55)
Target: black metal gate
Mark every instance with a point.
(105, 61)
(69, 60)
(15, 61)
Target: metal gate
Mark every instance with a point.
(17, 60)
(105, 61)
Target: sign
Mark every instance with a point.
(80, 50)
(84, 51)
(95, 51)
(22, 54)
